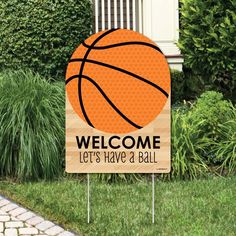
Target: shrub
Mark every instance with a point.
(31, 126)
(208, 38)
(214, 110)
(194, 85)
(204, 136)
(186, 85)
(226, 149)
(177, 86)
(41, 35)
(186, 146)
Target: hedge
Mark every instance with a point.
(42, 34)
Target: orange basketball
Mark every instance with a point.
(118, 81)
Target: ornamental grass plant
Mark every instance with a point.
(31, 126)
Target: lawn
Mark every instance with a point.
(200, 207)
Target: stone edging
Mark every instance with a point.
(16, 220)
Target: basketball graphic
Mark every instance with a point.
(118, 81)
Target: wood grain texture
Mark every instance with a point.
(77, 127)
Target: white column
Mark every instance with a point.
(134, 15)
(140, 14)
(147, 17)
(127, 14)
(176, 13)
(115, 13)
(161, 23)
(103, 15)
(109, 13)
(121, 14)
(96, 16)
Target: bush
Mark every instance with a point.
(208, 39)
(31, 126)
(41, 35)
(177, 86)
(186, 146)
(219, 129)
(185, 86)
(225, 149)
(203, 138)
(214, 110)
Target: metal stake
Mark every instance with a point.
(88, 197)
(153, 198)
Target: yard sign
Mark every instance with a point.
(118, 105)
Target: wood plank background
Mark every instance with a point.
(77, 127)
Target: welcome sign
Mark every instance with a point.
(118, 105)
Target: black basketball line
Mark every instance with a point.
(81, 73)
(106, 98)
(71, 78)
(123, 44)
(123, 71)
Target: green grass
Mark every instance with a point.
(199, 207)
